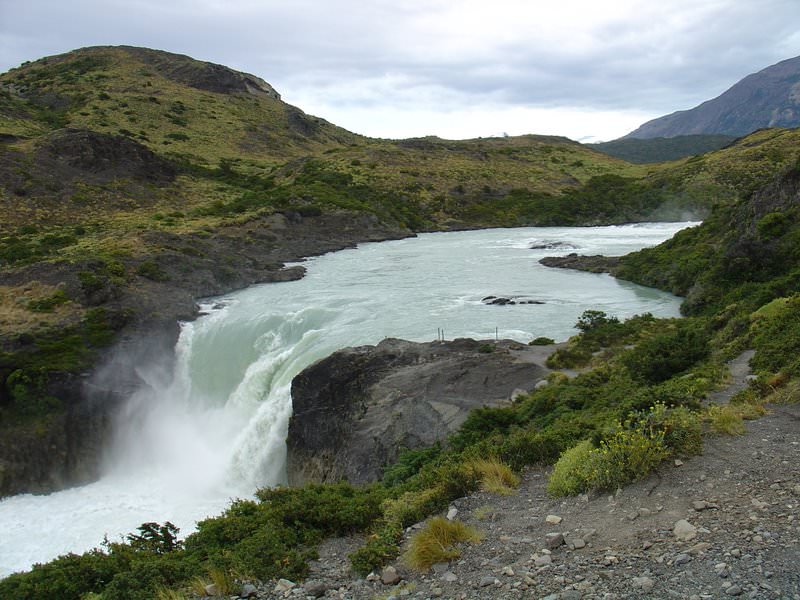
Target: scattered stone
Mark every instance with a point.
(315, 588)
(451, 513)
(250, 591)
(543, 560)
(437, 592)
(577, 543)
(554, 540)
(441, 567)
(450, 577)
(759, 504)
(211, 590)
(487, 580)
(682, 559)
(373, 577)
(284, 585)
(508, 571)
(643, 583)
(553, 520)
(684, 531)
(644, 512)
(390, 576)
(678, 462)
(698, 548)
(734, 590)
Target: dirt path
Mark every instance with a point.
(739, 369)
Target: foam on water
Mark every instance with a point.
(216, 429)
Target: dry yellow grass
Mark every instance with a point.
(495, 477)
(16, 317)
(436, 542)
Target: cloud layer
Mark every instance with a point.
(454, 68)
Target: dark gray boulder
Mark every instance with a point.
(354, 410)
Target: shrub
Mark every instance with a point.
(572, 474)
(151, 270)
(663, 356)
(571, 357)
(47, 304)
(681, 428)
(630, 454)
(541, 341)
(436, 542)
(381, 547)
(408, 463)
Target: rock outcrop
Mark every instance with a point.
(354, 410)
(579, 262)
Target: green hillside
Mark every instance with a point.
(655, 150)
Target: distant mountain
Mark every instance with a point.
(662, 149)
(769, 98)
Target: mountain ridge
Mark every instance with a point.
(767, 98)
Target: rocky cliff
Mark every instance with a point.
(355, 410)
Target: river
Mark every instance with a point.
(216, 430)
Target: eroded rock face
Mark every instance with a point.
(355, 410)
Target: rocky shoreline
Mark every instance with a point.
(579, 262)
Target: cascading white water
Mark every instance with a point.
(217, 430)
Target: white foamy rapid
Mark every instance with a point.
(216, 430)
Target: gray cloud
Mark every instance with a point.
(629, 55)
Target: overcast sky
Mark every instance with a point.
(587, 69)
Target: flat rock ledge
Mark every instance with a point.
(592, 264)
(354, 410)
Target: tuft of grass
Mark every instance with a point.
(789, 393)
(495, 477)
(223, 581)
(167, 594)
(725, 419)
(197, 586)
(436, 542)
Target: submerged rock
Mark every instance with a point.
(355, 410)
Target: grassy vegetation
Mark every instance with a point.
(436, 543)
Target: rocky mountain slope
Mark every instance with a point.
(769, 98)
